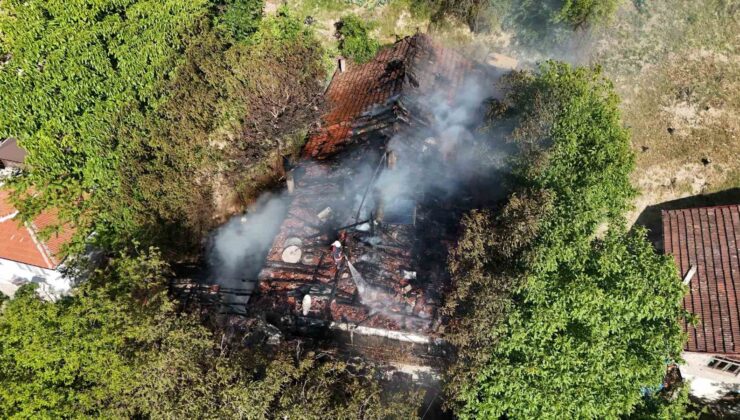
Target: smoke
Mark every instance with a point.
(454, 151)
(445, 159)
(443, 155)
(238, 248)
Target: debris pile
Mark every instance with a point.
(365, 181)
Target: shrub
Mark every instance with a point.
(240, 18)
(354, 39)
(578, 322)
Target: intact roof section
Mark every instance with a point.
(6, 208)
(21, 242)
(11, 151)
(709, 239)
(409, 63)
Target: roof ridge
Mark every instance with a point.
(43, 250)
(718, 206)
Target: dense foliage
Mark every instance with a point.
(532, 22)
(673, 404)
(355, 41)
(574, 320)
(230, 112)
(133, 112)
(118, 349)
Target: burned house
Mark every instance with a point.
(379, 180)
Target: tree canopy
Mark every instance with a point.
(355, 41)
(134, 112)
(118, 348)
(583, 314)
(72, 68)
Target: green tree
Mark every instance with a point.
(69, 358)
(118, 348)
(544, 24)
(673, 404)
(228, 114)
(588, 319)
(140, 117)
(72, 68)
(240, 18)
(355, 41)
(579, 13)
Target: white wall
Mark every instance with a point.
(52, 284)
(706, 382)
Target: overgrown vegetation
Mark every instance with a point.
(118, 349)
(574, 322)
(134, 124)
(355, 41)
(532, 21)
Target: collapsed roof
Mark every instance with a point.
(395, 244)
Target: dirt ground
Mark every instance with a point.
(675, 64)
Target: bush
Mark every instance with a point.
(572, 324)
(240, 18)
(354, 39)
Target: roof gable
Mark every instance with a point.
(411, 64)
(10, 151)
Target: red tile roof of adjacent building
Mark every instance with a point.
(6, 208)
(709, 239)
(21, 242)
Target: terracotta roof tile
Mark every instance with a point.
(361, 86)
(708, 238)
(6, 209)
(22, 243)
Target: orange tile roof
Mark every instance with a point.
(6, 209)
(21, 242)
(360, 86)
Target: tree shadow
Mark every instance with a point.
(651, 216)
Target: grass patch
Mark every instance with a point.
(676, 66)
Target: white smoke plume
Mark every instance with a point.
(238, 248)
(453, 136)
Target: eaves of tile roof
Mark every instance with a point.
(21, 242)
(709, 239)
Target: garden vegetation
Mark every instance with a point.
(558, 310)
(145, 121)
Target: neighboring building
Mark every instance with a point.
(705, 243)
(11, 155)
(388, 302)
(25, 258)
